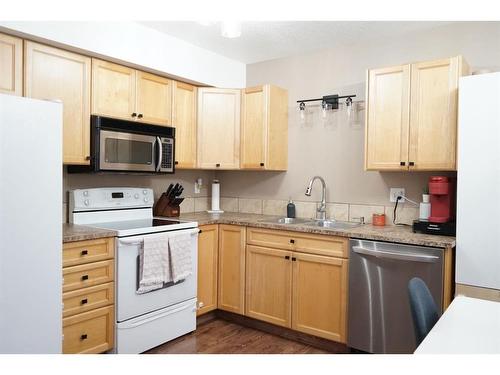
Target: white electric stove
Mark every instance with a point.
(143, 321)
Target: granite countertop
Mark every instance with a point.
(73, 233)
(389, 233)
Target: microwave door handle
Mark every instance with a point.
(160, 156)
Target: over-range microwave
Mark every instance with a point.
(129, 147)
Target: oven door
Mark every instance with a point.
(121, 151)
(129, 303)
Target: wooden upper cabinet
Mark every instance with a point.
(184, 121)
(386, 138)
(113, 90)
(433, 114)
(264, 128)
(268, 285)
(412, 116)
(208, 248)
(231, 288)
(319, 304)
(55, 74)
(11, 65)
(218, 128)
(154, 99)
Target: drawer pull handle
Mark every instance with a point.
(84, 301)
(83, 337)
(292, 241)
(85, 277)
(84, 252)
(217, 165)
(287, 257)
(261, 164)
(294, 259)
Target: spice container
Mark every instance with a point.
(378, 220)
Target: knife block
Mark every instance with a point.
(164, 207)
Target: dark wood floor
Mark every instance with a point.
(221, 337)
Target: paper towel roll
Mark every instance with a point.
(215, 197)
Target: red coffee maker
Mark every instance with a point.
(442, 195)
(442, 198)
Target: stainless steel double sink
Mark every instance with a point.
(333, 224)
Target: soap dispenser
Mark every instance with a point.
(290, 209)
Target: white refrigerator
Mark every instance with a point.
(30, 225)
(478, 187)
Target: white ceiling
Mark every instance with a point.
(262, 41)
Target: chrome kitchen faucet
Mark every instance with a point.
(321, 210)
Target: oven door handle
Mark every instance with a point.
(160, 154)
(413, 257)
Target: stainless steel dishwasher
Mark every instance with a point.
(379, 309)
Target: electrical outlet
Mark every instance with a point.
(395, 193)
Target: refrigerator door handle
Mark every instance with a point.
(412, 257)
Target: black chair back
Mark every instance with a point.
(423, 308)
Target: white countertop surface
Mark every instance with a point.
(468, 326)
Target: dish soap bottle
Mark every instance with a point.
(290, 209)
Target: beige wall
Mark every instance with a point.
(337, 154)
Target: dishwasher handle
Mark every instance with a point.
(413, 257)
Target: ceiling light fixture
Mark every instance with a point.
(230, 29)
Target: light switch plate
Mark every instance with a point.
(395, 193)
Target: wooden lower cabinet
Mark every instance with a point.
(268, 285)
(231, 288)
(319, 296)
(208, 248)
(88, 296)
(90, 332)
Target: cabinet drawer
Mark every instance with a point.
(85, 275)
(90, 332)
(82, 252)
(297, 241)
(81, 300)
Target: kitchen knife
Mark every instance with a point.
(181, 189)
(172, 192)
(169, 189)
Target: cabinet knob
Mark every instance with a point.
(83, 337)
(261, 164)
(287, 257)
(403, 163)
(292, 241)
(217, 165)
(139, 115)
(134, 114)
(85, 277)
(84, 301)
(84, 252)
(294, 259)
(176, 162)
(88, 157)
(411, 163)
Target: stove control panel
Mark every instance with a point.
(110, 198)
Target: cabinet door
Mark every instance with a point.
(231, 296)
(268, 285)
(113, 90)
(154, 99)
(184, 121)
(54, 74)
(11, 60)
(277, 132)
(433, 114)
(319, 303)
(208, 247)
(218, 128)
(254, 127)
(387, 122)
